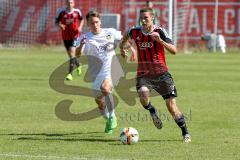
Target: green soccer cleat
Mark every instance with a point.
(69, 77)
(79, 70)
(108, 128)
(113, 122)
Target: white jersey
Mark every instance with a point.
(100, 50)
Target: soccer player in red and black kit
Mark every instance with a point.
(152, 72)
(70, 21)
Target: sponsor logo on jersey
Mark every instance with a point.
(144, 45)
(69, 21)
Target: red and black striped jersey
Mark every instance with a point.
(151, 54)
(71, 20)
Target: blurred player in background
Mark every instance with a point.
(213, 40)
(70, 21)
(99, 43)
(152, 70)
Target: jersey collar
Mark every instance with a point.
(154, 27)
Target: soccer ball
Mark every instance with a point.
(129, 135)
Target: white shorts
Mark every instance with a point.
(97, 85)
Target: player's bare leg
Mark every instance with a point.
(106, 105)
(143, 94)
(178, 117)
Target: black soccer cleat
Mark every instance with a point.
(156, 121)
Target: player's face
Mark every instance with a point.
(150, 4)
(95, 24)
(146, 19)
(70, 3)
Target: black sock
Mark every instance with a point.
(71, 64)
(181, 123)
(76, 61)
(150, 108)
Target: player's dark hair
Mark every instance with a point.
(92, 14)
(150, 10)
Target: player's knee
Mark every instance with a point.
(143, 89)
(143, 93)
(101, 103)
(106, 90)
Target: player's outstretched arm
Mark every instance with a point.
(123, 42)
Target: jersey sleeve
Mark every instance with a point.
(164, 35)
(80, 16)
(129, 32)
(117, 35)
(58, 15)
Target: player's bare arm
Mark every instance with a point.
(123, 42)
(171, 48)
(62, 26)
(79, 49)
(80, 28)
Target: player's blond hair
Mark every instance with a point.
(92, 14)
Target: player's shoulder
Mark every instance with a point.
(87, 35)
(60, 10)
(161, 30)
(135, 28)
(109, 30)
(158, 28)
(76, 10)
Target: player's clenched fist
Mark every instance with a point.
(156, 37)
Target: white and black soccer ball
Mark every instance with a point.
(129, 135)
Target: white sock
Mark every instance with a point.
(112, 113)
(110, 105)
(105, 113)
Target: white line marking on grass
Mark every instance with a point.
(40, 156)
(53, 157)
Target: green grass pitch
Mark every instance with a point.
(208, 94)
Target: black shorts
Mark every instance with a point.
(70, 43)
(163, 84)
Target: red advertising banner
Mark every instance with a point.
(32, 21)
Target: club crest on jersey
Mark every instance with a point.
(109, 37)
(106, 47)
(144, 45)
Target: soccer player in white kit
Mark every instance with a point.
(98, 45)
